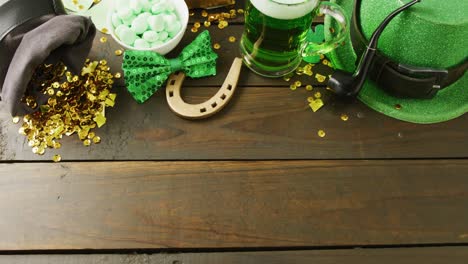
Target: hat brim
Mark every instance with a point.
(449, 103)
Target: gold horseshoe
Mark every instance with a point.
(211, 106)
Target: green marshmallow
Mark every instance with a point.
(151, 36)
(141, 44)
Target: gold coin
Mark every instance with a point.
(16, 119)
(96, 140)
(118, 52)
(321, 133)
(87, 142)
(56, 158)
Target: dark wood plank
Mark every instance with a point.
(260, 123)
(227, 53)
(127, 205)
(438, 255)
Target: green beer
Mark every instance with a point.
(275, 34)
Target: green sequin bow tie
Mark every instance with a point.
(146, 71)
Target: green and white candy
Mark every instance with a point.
(145, 23)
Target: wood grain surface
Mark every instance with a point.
(437, 255)
(126, 205)
(259, 123)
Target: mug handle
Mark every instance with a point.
(336, 13)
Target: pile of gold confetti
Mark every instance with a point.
(76, 104)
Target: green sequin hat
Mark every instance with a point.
(432, 33)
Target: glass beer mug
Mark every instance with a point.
(274, 39)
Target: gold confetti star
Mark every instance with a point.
(16, 119)
(309, 87)
(344, 117)
(293, 87)
(216, 46)
(232, 39)
(207, 23)
(196, 24)
(103, 39)
(194, 29)
(117, 75)
(204, 13)
(318, 95)
(298, 83)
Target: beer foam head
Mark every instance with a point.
(285, 9)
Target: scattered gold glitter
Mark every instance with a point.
(316, 104)
(397, 106)
(204, 13)
(196, 24)
(207, 23)
(216, 46)
(293, 87)
(87, 142)
(222, 24)
(56, 158)
(76, 104)
(344, 117)
(320, 78)
(16, 119)
(317, 95)
(96, 140)
(309, 87)
(103, 39)
(194, 29)
(118, 52)
(117, 75)
(232, 39)
(321, 133)
(298, 83)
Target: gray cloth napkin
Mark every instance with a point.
(66, 38)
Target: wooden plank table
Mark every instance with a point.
(253, 184)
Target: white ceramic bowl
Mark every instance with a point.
(183, 14)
